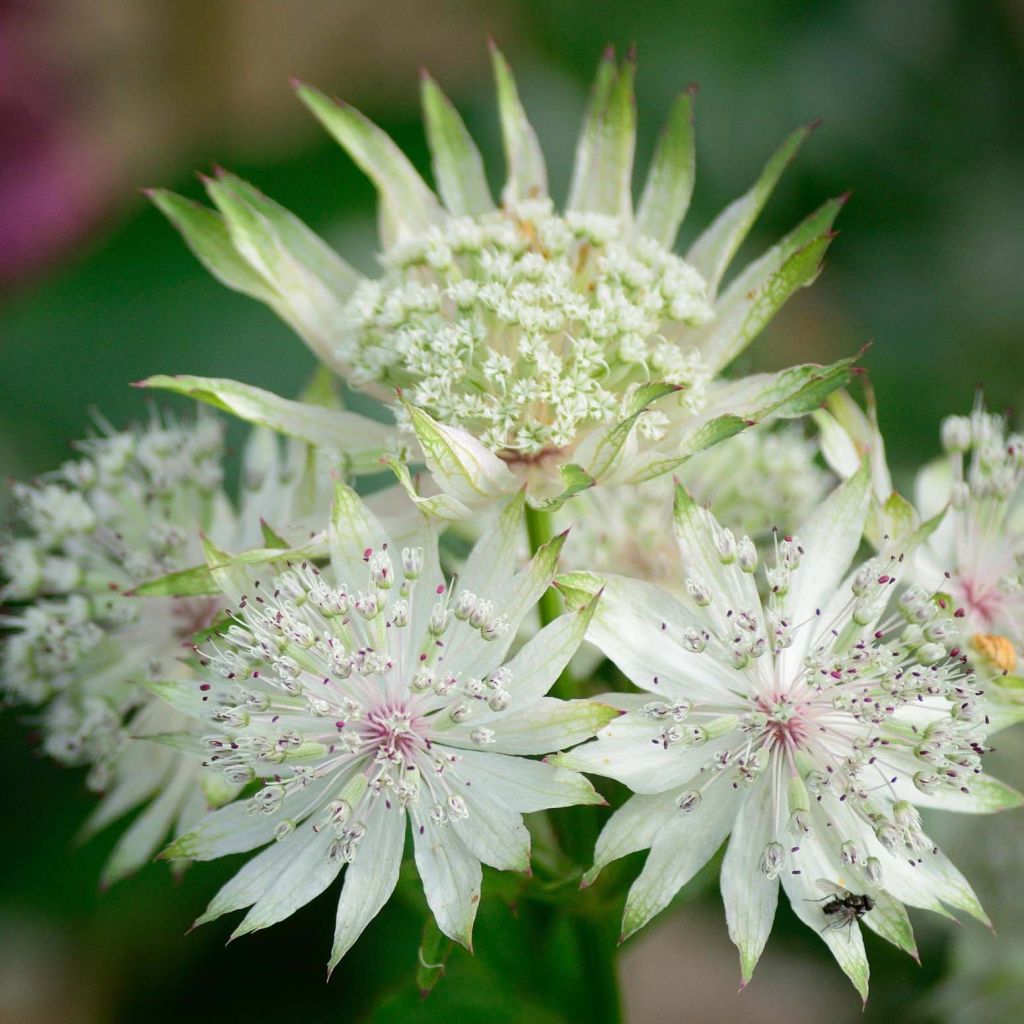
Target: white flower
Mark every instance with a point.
(809, 725)
(753, 482)
(128, 509)
(370, 694)
(528, 344)
(976, 552)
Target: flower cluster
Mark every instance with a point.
(977, 551)
(81, 647)
(523, 326)
(371, 694)
(542, 345)
(809, 724)
(287, 674)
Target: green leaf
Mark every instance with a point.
(270, 538)
(206, 234)
(601, 452)
(604, 156)
(713, 251)
(267, 224)
(575, 478)
(458, 168)
(196, 581)
(526, 176)
(666, 195)
(439, 506)
(763, 287)
(461, 465)
(361, 440)
(410, 207)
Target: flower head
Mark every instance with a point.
(527, 343)
(370, 695)
(130, 508)
(976, 552)
(810, 725)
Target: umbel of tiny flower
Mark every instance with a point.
(809, 726)
(527, 344)
(82, 648)
(371, 697)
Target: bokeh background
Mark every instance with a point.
(921, 108)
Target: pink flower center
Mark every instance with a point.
(787, 721)
(394, 730)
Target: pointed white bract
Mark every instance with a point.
(82, 649)
(373, 694)
(809, 725)
(568, 346)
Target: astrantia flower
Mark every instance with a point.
(810, 726)
(130, 508)
(527, 343)
(754, 482)
(966, 533)
(976, 552)
(369, 695)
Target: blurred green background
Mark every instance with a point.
(921, 108)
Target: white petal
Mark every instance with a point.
(363, 440)
(525, 785)
(732, 589)
(458, 168)
(638, 625)
(408, 205)
(750, 896)
(629, 750)
(468, 651)
(830, 540)
(236, 829)
(604, 155)
(933, 488)
(250, 884)
(987, 795)
(492, 562)
(527, 177)
(632, 827)
(493, 832)
(451, 878)
(143, 769)
(371, 878)
(800, 880)
(679, 851)
(306, 874)
(889, 919)
(547, 724)
(148, 831)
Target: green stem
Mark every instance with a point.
(539, 530)
(599, 955)
(595, 938)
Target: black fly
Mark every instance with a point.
(841, 906)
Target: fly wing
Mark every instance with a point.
(832, 888)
